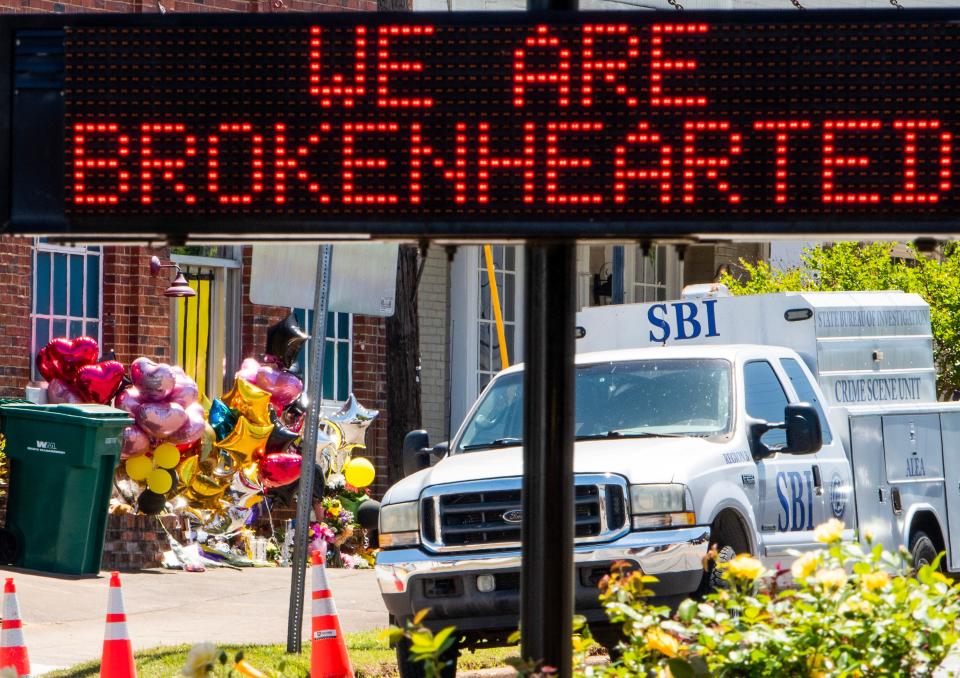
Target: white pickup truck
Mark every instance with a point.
(737, 421)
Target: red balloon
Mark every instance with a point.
(279, 469)
(48, 366)
(72, 354)
(99, 382)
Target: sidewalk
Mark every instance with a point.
(63, 618)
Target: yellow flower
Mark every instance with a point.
(874, 581)
(744, 567)
(804, 566)
(829, 532)
(661, 641)
(854, 605)
(831, 579)
(200, 660)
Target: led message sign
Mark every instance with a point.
(473, 124)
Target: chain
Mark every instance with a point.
(675, 4)
(896, 3)
(797, 4)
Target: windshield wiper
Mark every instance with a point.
(623, 434)
(499, 442)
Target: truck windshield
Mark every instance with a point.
(641, 398)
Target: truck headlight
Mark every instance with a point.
(399, 525)
(665, 505)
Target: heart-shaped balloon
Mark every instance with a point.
(191, 431)
(248, 370)
(59, 391)
(99, 382)
(185, 390)
(284, 387)
(133, 442)
(279, 469)
(129, 399)
(72, 354)
(48, 365)
(156, 381)
(161, 420)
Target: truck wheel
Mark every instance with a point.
(922, 550)
(408, 668)
(729, 542)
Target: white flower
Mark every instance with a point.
(200, 660)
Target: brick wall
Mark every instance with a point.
(135, 542)
(370, 387)
(136, 315)
(16, 279)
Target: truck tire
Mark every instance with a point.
(730, 542)
(922, 550)
(408, 668)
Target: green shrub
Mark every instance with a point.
(850, 611)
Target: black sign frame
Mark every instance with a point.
(31, 159)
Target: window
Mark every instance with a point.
(650, 275)
(67, 294)
(488, 342)
(337, 354)
(765, 399)
(801, 384)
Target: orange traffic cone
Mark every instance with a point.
(117, 661)
(13, 653)
(328, 652)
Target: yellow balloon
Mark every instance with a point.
(250, 401)
(159, 481)
(359, 472)
(139, 467)
(166, 456)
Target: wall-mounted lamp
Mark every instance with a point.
(179, 287)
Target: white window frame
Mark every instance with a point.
(328, 403)
(482, 278)
(46, 248)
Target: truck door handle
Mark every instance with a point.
(817, 481)
(895, 498)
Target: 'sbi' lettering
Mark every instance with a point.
(795, 494)
(686, 319)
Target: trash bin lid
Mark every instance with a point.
(89, 410)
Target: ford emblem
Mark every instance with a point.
(513, 516)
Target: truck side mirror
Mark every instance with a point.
(804, 434)
(417, 453)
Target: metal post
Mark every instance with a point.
(546, 607)
(309, 460)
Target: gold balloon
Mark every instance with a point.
(159, 481)
(187, 468)
(246, 440)
(205, 487)
(207, 441)
(250, 401)
(139, 467)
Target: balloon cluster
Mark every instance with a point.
(168, 422)
(73, 374)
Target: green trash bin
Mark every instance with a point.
(62, 459)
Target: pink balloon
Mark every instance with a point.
(133, 441)
(129, 399)
(185, 391)
(279, 469)
(284, 387)
(59, 391)
(155, 380)
(193, 429)
(160, 420)
(248, 370)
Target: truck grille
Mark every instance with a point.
(486, 514)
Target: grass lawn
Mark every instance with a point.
(370, 656)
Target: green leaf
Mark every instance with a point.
(680, 668)
(420, 616)
(687, 610)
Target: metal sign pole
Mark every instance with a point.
(309, 455)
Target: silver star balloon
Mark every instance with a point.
(353, 419)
